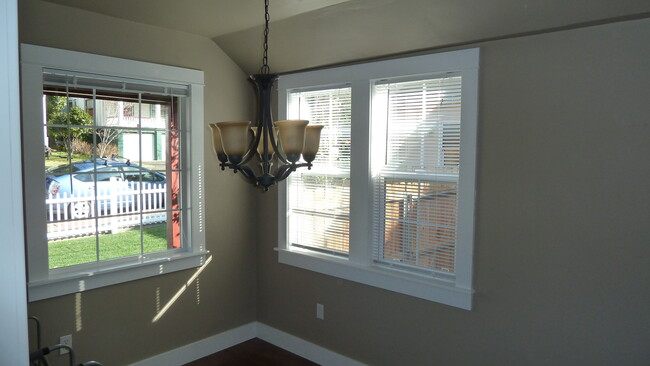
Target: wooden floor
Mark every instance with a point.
(254, 352)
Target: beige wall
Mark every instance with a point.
(116, 322)
(562, 239)
(367, 29)
(561, 265)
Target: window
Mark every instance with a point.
(319, 198)
(117, 195)
(415, 144)
(390, 199)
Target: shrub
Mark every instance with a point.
(107, 150)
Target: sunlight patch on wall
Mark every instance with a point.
(180, 291)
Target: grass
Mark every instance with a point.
(61, 158)
(63, 253)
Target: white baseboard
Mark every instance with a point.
(229, 338)
(302, 348)
(202, 348)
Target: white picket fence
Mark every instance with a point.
(122, 206)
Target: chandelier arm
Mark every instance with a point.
(251, 151)
(264, 85)
(283, 172)
(266, 157)
(280, 154)
(229, 165)
(247, 173)
(287, 169)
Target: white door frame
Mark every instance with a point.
(14, 347)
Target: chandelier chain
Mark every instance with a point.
(265, 58)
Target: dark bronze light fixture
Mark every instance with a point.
(267, 152)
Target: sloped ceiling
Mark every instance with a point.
(209, 18)
(312, 33)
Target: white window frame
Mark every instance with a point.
(45, 283)
(359, 265)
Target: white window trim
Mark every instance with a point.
(44, 283)
(359, 265)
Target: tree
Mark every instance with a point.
(106, 136)
(112, 110)
(59, 113)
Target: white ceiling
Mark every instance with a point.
(209, 18)
(313, 33)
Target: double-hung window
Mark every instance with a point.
(390, 199)
(112, 165)
(320, 200)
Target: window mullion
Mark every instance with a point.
(360, 178)
(139, 199)
(95, 205)
(467, 181)
(283, 112)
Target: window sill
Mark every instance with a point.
(63, 283)
(424, 288)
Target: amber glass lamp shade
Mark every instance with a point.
(292, 137)
(217, 145)
(260, 146)
(312, 141)
(235, 138)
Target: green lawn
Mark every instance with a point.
(65, 253)
(61, 158)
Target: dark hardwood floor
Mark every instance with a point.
(254, 352)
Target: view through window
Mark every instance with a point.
(113, 170)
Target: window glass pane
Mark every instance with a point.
(416, 147)
(67, 134)
(117, 110)
(121, 244)
(107, 174)
(155, 237)
(108, 159)
(175, 229)
(420, 223)
(320, 212)
(319, 199)
(421, 127)
(59, 251)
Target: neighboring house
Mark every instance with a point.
(114, 114)
(124, 114)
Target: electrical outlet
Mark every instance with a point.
(65, 340)
(320, 311)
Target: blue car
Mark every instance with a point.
(108, 176)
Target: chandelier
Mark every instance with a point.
(267, 152)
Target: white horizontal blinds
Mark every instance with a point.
(105, 82)
(319, 199)
(416, 144)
